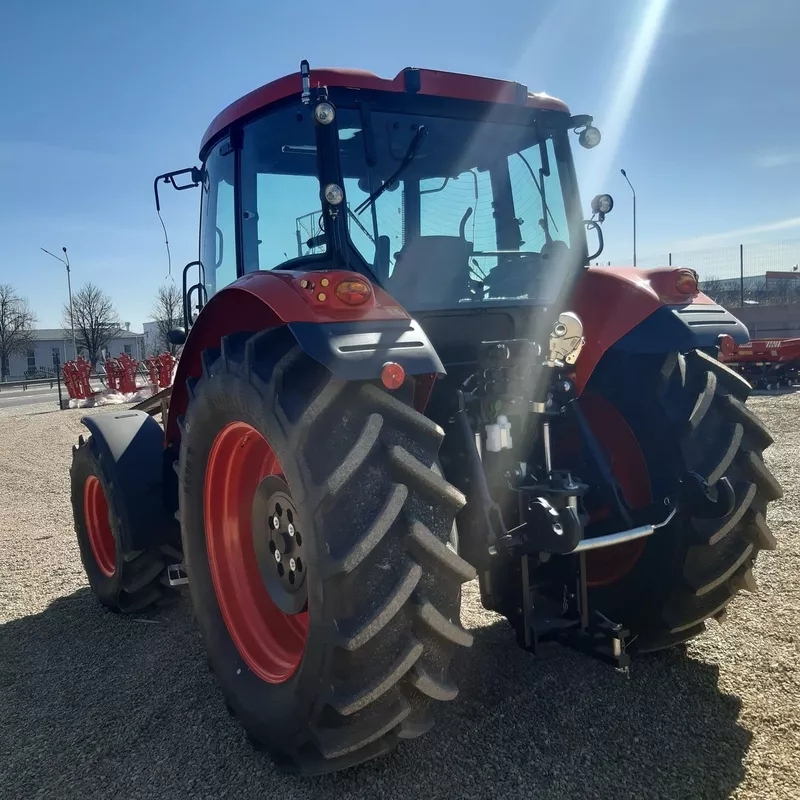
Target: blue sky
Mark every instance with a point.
(698, 101)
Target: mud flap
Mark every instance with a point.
(130, 448)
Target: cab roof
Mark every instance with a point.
(414, 81)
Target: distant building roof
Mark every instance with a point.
(59, 334)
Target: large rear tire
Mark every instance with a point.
(342, 679)
(688, 414)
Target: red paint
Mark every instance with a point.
(432, 82)
(311, 296)
(271, 642)
(423, 387)
(263, 300)
(613, 301)
(101, 537)
(629, 466)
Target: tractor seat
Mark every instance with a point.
(431, 271)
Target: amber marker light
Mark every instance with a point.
(353, 292)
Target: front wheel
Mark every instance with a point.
(123, 581)
(316, 530)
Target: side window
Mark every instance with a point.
(281, 206)
(288, 218)
(218, 219)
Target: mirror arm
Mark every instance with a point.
(594, 225)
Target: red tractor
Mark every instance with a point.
(399, 373)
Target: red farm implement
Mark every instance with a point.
(766, 363)
(427, 385)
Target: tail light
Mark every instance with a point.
(686, 282)
(353, 292)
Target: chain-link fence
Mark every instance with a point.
(762, 273)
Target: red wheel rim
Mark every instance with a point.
(271, 642)
(629, 466)
(101, 537)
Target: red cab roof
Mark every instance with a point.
(423, 81)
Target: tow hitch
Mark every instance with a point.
(574, 624)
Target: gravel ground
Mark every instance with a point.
(93, 705)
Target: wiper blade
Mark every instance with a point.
(410, 155)
(540, 189)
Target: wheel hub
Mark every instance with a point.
(279, 546)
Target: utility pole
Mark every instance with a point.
(625, 175)
(65, 262)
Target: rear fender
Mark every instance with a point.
(129, 448)
(353, 342)
(638, 310)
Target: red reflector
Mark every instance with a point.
(353, 292)
(686, 281)
(392, 375)
(726, 344)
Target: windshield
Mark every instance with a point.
(474, 211)
(443, 210)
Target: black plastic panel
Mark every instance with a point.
(356, 351)
(682, 328)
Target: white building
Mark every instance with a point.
(40, 359)
(151, 337)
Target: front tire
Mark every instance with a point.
(371, 649)
(123, 581)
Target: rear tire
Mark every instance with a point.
(690, 416)
(124, 581)
(383, 586)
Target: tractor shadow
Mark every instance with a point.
(97, 705)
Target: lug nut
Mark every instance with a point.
(292, 564)
(278, 556)
(276, 523)
(290, 529)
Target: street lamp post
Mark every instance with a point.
(625, 175)
(65, 262)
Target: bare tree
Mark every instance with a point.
(16, 326)
(96, 320)
(167, 313)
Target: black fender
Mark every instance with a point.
(129, 446)
(683, 328)
(356, 351)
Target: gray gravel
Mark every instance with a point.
(93, 705)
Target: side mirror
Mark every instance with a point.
(177, 336)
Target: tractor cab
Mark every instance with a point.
(452, 193)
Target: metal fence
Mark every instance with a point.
(761, 273)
